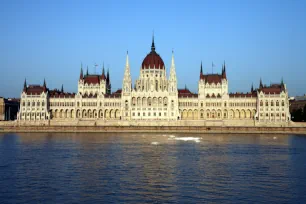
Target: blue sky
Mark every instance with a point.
(50, 39)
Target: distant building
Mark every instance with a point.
(155, 96)
(9, 108)
(297, 102)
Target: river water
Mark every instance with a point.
(152, 168)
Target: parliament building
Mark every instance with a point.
(154, 97)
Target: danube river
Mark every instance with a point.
(152, 168)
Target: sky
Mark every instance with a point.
(50, 39)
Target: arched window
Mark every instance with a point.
(277, 103)
(267, 103)
(283, 103)
(272, 103)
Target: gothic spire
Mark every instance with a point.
(25, 85)
(103, 72)
(260, 84)
(224, 71)
(172, 69)
(87, 71)
(107, 76)
(153, 45)
(81, 73)
(201, 70)
(252, 88)
(127, 81)
(45, 85)
(62, 90)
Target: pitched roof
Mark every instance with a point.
(243, 95)
(93, 79)
(58, 94)
(184, 93)
(272, 89)
(212, 78)
(35, 90)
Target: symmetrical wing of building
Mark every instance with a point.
(154, 97)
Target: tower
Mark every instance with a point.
(126, 91)
(127, 81)
(173, 93)
(172, 77)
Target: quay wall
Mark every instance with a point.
(153, 126)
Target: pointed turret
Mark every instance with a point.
(282, 84)
(252, 88)
(62, 89)
(172, 76)
(108, 84)
(25, 85)
(260, 84)
(87, 71)
(81, 73)
(107, 76)
(103, 73)
(201, 70)
(127, 81)
(172, 69)
(45, 85)
(224, 71)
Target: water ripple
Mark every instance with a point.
(152, 168)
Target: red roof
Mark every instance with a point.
(93, 79)
(58, 94)
(116, 94)
(153, 60)
(272, 89)
(212, 78)
(243, 95)
(35, 89)
(184, 93)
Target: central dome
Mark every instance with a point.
(153, 60)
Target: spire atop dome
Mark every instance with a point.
(153, 60)
(153, 44)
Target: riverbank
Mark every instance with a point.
(185, 126)
(156, 129)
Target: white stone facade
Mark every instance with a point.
(155, 97)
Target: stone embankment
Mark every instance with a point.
(93, 126)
